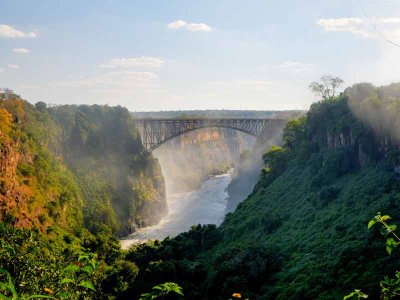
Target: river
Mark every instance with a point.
(203, 206)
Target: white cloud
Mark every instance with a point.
(28, 86)
(13, 66)
(144, 61)
(180, 24)
(122, 79)
(295, 66)
(252, 84)
(6, 31)
(20, 50)
(389, 20)
(388, 28)
(290, 64)
(352, 25)
(1, 70)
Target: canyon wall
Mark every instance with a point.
(188, 160)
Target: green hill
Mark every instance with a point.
(302, 233)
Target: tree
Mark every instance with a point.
(326, 88)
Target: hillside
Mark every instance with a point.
(302, 233)
(121, 183)
(71, 179)
(74, 165)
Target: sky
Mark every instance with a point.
(194, 54)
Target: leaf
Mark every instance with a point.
(40, 296)
(390, 245)
(372, 223)
(83, 256)
(66, 280)
(71, 268)
(88, 269)
(10, 285)
(4, 297)
(385, 217)
(88, 284)
(64, 295)
(357, 294)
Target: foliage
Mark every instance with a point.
(326, 88)
(299, 234)
(163, 291)
(357, 294)
(64, 170)
(120, 183)
(293, 132)
(390, 287)
(32, 264)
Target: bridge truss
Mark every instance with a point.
(155, 132)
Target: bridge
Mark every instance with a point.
(155, 132)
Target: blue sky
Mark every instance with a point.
(166, 54)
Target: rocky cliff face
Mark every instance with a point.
(150, 196)
(202, 153)
(36, 190)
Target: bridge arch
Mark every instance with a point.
(155, 132)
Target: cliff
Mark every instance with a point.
(202, 153)
(121, 183)
(74, 165)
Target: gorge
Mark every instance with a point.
(75, 178)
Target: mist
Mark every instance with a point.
(378, 108)
(190, 159)
(250, 164)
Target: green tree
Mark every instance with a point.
(326, 88)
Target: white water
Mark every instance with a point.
(203, 206)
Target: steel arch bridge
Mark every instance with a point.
(155, 132)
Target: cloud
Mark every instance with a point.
(20, 50)
(6, 31)
(1, 70)
(290, 64)
(388, 28)
(295, 66)
(28, 86)
(144, 61)
(253, 84)
(180, 24)
(13, 66)
(122, 79)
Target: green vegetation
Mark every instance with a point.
(164, 291)
(301, 232)
(71, 177)
(119, 181)
(390, 287)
